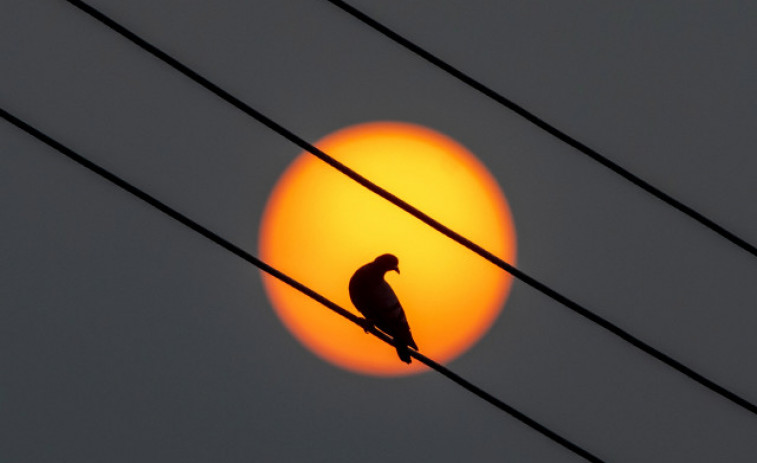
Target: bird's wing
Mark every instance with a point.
(392, 318)
(386, 299)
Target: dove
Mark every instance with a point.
(375, 299)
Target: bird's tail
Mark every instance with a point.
(404, 354)
(403, 346)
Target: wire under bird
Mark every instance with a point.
(214, 237)
(546, 126)
(425, 218)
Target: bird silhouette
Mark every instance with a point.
(375, 299)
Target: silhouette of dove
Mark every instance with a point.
(374, 298)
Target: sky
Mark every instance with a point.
(127, 337)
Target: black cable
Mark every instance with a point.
(184, 220)
(546, 126)
(534, 283)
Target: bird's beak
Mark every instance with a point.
(396, 269)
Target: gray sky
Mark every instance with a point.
(126, 337)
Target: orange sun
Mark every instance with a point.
(319, 227)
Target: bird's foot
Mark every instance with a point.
(366, 324)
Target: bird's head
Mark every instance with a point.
(387, 262)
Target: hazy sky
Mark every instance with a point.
(127, 337)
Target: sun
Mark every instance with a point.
(319, 227)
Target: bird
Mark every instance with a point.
(375, 300)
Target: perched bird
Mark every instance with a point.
(374, 298)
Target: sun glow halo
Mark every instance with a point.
(319, 226)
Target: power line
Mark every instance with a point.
(522, 276)
(186, 221)
(546, 126)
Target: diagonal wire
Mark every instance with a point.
(519, 274)
(546, 126)
(184, 220)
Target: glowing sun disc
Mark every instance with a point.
(319, 226)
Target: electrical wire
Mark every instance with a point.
(546, 126)
(236, 250)
(519, 274)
